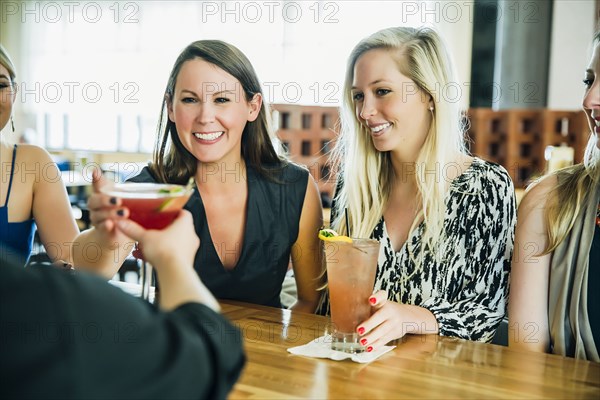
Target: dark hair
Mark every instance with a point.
(173, 163)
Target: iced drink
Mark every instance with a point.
(351, 271)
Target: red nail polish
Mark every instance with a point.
(369, 349)
(372, 300)
(363, 342)
(361, 330)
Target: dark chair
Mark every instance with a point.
(129, 265)
(501, 336)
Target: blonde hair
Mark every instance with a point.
(7, 63)
(368, 174)
(574, 185)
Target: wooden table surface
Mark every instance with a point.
(419, 367)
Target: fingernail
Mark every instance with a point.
(363, 342)
(361, 330)
(113, 200)
(372, 300)
(121, 212)
(369, 349)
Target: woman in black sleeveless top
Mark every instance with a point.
(252, 209)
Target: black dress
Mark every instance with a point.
(273, 214)
(78, 337)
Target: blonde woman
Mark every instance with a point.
(30, 193)
(554, 305)
(445, 220)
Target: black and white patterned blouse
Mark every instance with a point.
(466, 290)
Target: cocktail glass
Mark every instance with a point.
(351, 269)
(153, 206)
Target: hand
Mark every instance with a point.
(105, 211)
(168, 248)
(387, 323)
(63, 265)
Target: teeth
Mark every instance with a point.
(379, 128)
(208, 136)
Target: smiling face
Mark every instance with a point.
(7, 96)
(392, 107)
(210, 111)
(591, 98)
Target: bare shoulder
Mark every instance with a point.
(312, 196)
(31, 153)
(538, 192)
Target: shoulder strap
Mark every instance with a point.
(12, 173)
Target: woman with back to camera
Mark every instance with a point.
(445, 220)
(75, 336)
(252, 208)
(554, 300)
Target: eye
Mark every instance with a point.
(357, 96)
(188, 100)
(382, 92)
(588, 82)
(4, 85)
(221, 100)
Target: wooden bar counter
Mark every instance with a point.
(423, 367)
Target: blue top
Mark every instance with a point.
(273, 214)
(16, 236)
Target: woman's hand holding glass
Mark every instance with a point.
(390, 321)
(113, 245)
(172, 247)
(105, 210)
(172, 251)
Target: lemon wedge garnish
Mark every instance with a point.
(329, 235)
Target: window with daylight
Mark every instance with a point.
(306, 148)
(326, 121)
(89, 77)
(285, 120)
(306, 121)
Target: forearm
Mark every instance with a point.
(90, 253)
(418, 320)
(304, 306)
(182, 285)
(523, 341)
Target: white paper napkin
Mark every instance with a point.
(321, 348)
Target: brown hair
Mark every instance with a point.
(172, 162)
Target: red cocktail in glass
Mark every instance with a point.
(153, 206)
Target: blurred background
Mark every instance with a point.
(91, 75)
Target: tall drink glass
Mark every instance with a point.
(153, 206)
(351, 269)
